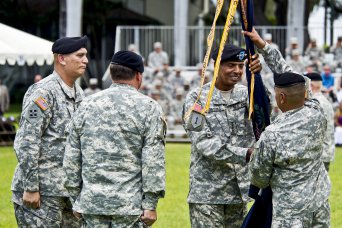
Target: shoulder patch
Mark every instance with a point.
(42, 104)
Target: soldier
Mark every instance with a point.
(39, 197)
(329, 140)
(116, 170)
(293, 149)
(288, 157)
(220, 149)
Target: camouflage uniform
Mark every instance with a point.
(114, 158)
(321, 216)
(218, 170)
(288, 157)
(329, 140)
(39, 146)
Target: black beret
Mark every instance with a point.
(128, 59)
(68, 45)
(314, 76)
(230, 53)
(287, 79)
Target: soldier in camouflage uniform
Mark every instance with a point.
(39, 196)
(329, 140)
(114, 158)
(288, 157)
(290, 151)
(220, 148)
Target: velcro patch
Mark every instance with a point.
(33, 113)
(42, 104)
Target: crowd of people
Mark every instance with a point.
(99, 160)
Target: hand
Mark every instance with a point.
(31, 199)
(249, 153)
(254, 36)
(255, 65)
(77, 215)
(149, 217)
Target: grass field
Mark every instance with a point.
(173, 209)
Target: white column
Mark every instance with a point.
(180, 31)
(74, 18)
(295, 21)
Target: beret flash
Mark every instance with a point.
(230, 53)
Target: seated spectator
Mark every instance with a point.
(92, 87)
(268, 39)
(176, 109)
(158, 59)
(327, 78)
(176, 80)
(314, 53)
(293, 46)
(296, 62)
(337, 51)
(338, 125)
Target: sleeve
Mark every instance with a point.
(261, 163)
(153, 158)
(210, 145)
(72, 162)
(35, 119)
(274, 59)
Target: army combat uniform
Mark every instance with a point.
(329, 140)
(218, 169)
(39, 146)
(277, 64)
(114, 158)
(288, 157)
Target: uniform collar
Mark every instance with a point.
(234, 97)
(79, 92)
(122, 85)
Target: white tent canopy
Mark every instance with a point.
(20, 47)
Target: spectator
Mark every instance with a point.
(314, 54)
(176, 109)
(327, 78)
(37, 78)
(337, 51)
(92, 87)
(268, 39)
(293, 46)
(176, 80)
(158, 59)
(4, 99)
(296, 62)
(338, 125)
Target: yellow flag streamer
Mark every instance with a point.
(229, 21)
(251, 92)
(210, 39)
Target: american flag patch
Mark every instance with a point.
(197, 107)
(41, 102)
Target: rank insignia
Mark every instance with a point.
(42, 104)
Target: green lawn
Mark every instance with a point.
(173, 209)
